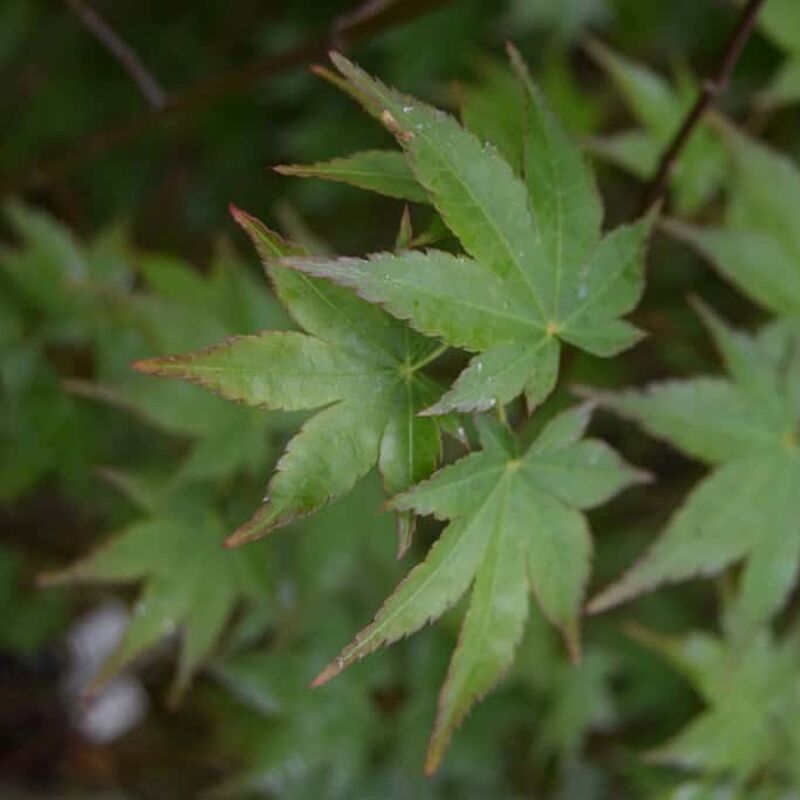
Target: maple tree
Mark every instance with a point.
(537, 272)
(541, 272)
(433, 379)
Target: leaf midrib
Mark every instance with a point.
(488, 310)
(500, 532)
(377, 631)
(420, 133)
(373, 344)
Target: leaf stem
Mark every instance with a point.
(713, 87)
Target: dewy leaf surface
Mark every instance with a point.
(515, 527)
(538, 270)
(354, 359)
(748, 428)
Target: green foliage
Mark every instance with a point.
(758, 249)
(30, 618)
(53, 309)
(382, 171)
(749, 726)
(532, 281)
(516, 528)
(780, 21)
(354, 359)
(362, 355)
(658, 108)
(189, 585)
(746, 428)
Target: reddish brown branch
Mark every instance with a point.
(713, 87)
(371, 19)
(126, 56)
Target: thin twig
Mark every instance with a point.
(713, 87)
(124, 53)
(386, 16)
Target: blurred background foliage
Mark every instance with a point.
(120, 247)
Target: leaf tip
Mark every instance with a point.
(258, 526)
(339, 61)
(239, 538)
(433, 758)
(149, 366)
(601, 602)
(53, 578)
(328, 674)
(241, 217)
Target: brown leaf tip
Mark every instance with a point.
(241, 217)
(149, 366)
(328, 674)
(433, 760)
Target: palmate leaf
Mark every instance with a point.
(539, 271)
(356, 361)
(516, 526)
(748, 428)
(190, 585)
(758, 250)
(750, 723)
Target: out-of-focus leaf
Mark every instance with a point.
(758, 250)
(191, 585)
(747, 427)
(753, 702)
(659, 109)
(780, 21)
(30, 618)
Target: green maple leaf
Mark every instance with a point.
(659, 108)
(750, 724)
(516, 526)
(747, 427)
(758, 250)
(540, 271)
(359, 363)
(190, 584)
